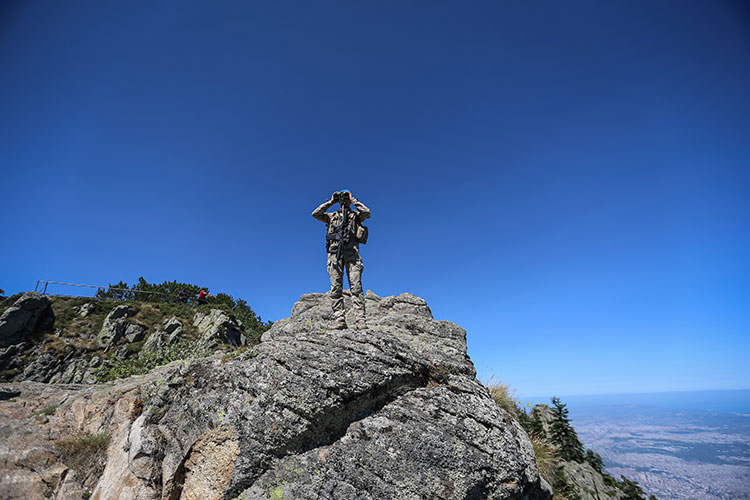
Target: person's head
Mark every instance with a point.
(344, 197)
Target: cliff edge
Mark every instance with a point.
(393, 411)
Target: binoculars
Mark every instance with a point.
(343, 196)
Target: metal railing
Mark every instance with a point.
(42, 285)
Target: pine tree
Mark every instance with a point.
(563, 435)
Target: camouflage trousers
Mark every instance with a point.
(353, 270)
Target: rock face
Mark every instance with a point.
(85, 310)
(588, 483)
(393, 411)
(169, 333)
(217, 327)
(115, 325)
(32, 312)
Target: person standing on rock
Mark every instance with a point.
(343, 236)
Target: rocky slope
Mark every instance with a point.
(78, 340)
(584, 482)
(393, 411)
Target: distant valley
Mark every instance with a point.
(674, 453)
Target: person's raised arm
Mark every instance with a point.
(320, 212)
(362, 211)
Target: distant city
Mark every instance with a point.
(687, 445)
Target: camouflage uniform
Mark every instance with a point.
(350, 262)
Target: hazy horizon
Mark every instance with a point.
(721, 400)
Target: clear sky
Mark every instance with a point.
(569, 181)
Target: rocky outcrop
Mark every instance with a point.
(588, 483)
(218, 327)
(543, 414)
(169, 334)
(392, 411)
(30, 313)
(85, 310)
(115, 325)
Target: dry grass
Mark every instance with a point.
(86, 453)
(504, 395)
(546, 461)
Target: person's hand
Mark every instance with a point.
(333, 198)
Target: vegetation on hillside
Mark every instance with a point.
(70, 351)
(557, 443)
(166, 293)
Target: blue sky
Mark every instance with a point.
(569, 181)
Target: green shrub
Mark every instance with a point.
(125, 367)
(563, 488)
(609, 480)
(49, 410)
(9, 301)
(166, 294)
(595, 460)
(631, 489)
(9, 373)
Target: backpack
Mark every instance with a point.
(361, 233)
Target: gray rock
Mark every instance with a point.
(393, 411)
(10, 357)
(32, 312)
(86, 309)
(74, 372)
(135, 332)
(588, 483)
(115, 325)
(218, 327)
(173, 329)
(170, 334)
(43, 368)
(543, 413)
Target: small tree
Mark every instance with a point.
(631, 489)
(595, 460)
(563, 435)
(120, 291)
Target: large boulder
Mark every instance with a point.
(390, 412)
(169, 334)
(543, 414)
(32, 312)
(115, 325)
(217, 327)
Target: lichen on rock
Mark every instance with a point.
(391, 411)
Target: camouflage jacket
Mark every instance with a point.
(334, 219)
